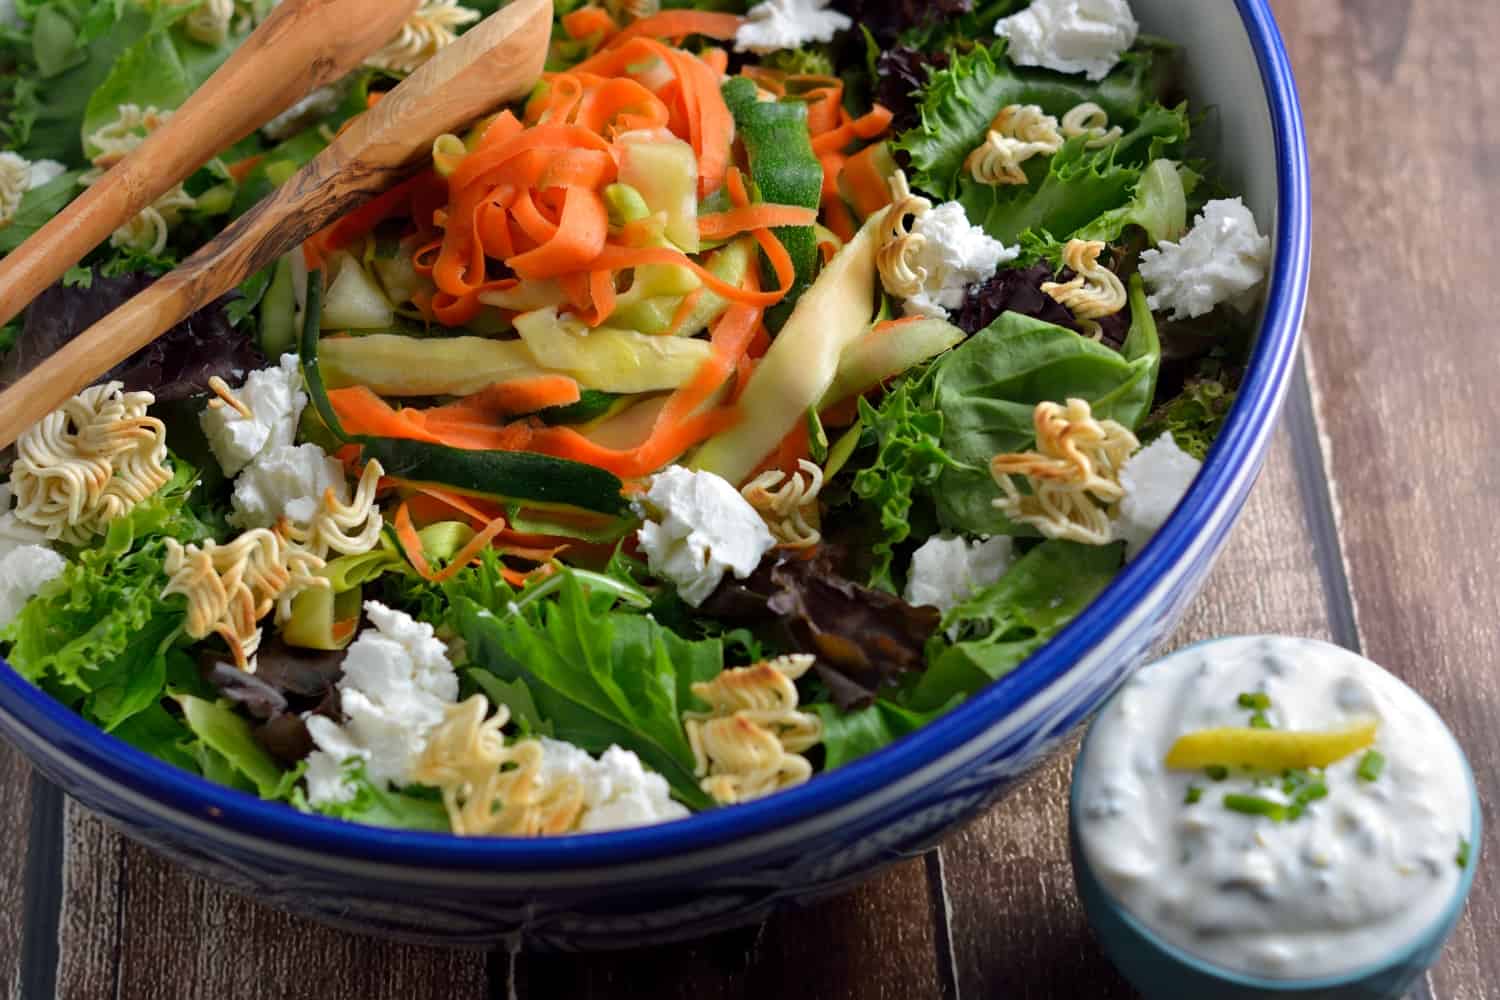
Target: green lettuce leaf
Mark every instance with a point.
(959, 102)
(227, 734)
(410, 809)
(37, 206)
(908, 431)
(1072, 188)
(149, 74)
(1010, 619)
(84, 632)
(848, 736)
(1158, 204)
(987, 388)
(600, 677)
(1193, 417)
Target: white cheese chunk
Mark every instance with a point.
(275, 399)
(618, 791)
(288, 480)
(946, 571)
(955, 255)
(23, 572)
(397, 684)
(699, 528)
(1155, 479)
(15, 533)
(1223, 258)
(1070, 36)
(788, 24)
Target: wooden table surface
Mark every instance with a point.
(1370, 526)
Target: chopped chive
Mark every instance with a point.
(1258, 700)
(1370, 765)
(1463, 852)
(1194, 793)
(1254, 805)
(1216, 772)
(1259, 721)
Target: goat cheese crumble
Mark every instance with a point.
(289, 481)
(788, 24)
(15, 533)
(1154, 479)
(698, 527)
(397, 684)
(618, 791)
(25, 570)
(1223, 258)
(1070, 36)
(954, 254)
(946, 571)
(275, 399)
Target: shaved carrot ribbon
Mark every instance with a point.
(722, 225)
(588, 21)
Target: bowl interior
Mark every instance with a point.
(1236, 65)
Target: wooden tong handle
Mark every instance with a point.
(302, 45)
(494, 63)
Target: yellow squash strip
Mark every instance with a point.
(802, 361)
(1273, 750)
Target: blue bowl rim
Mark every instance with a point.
(1245, 980)
(172, 790)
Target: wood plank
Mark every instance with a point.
(15, 814)
(1402, 113)
(872, 943)
(1018, 929)
(134, 925)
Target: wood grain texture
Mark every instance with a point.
(1017, 927)
(15, 812)
(493, 63)
(874, 943)
(302, 45)
(1401, 105)
(136, 926)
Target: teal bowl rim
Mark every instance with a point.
(1245, 980)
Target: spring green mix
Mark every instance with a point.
(766, 383)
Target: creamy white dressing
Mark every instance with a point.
(1349, 883)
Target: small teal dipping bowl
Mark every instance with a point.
(1159, 969)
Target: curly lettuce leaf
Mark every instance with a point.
(88, 630)
(598, 676)
(960, 102)
(1158, 204)
(1076, 185)
(1009, 620)
(1194, 417)
(908, 429)
(37, 206)
(408, 809)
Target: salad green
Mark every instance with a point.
(732, 407)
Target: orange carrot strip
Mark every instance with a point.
(716, 59)
(240, 169)
(616, 258)
(411, 542)
(722, 225)
(530, 219)
(620, 97)
(580, 237)
(363, 412)
(684, 310)
(549, 137)
(680, 24)
(867, 126)
(475, 510)
(469, 552)
(586, 21)
(868, 188)
(602, 294)
(520, 395)
(837, 218)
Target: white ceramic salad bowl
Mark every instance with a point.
(735, 865)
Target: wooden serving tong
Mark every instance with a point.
(495, 62)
